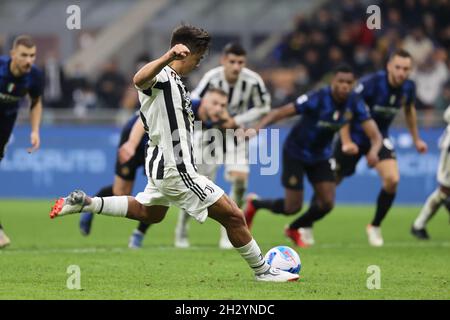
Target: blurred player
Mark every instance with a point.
(441, 195)
(19, 77)
(170, 165)
(211, 111)
(248, 101)
(308, 150)
(385, 93)
(214, 115)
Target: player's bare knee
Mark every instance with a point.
(149, 218)
(137, 211)
(326, 205)
(292, 207)
(390, 183)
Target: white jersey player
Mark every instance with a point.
(212, 116)
(170, 165)
(442, 194)
(248, 101)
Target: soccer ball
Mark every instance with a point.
(284, 258)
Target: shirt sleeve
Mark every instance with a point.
(365, 88)
(37, 85)
(261, 97)
(360, 110)
(304, 104)
(159, 79)
(411, 95)
(261, 104)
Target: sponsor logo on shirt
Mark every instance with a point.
(7, 98)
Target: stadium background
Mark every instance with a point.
(292, 44)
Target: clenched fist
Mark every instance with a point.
(178, 52)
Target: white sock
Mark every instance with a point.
(430, 207)
(116, 206)
(238, 188)
(252, 254)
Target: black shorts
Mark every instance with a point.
(127, 170)
(6, 127)
(294, 170)
(346, 164)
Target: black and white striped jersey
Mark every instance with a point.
(248, 99)
(167, 115)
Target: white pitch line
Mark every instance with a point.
(339, 245)
(398, 244)
(94, 250)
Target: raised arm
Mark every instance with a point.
(145, 77)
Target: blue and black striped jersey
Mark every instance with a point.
(13, 89)
(383, 101)
(310, 140)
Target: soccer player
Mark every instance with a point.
(248, 101)
(19, 77)
(125, 172)
(385, 92)
(308, 150)
(170, 165)
(212, 112)
(442, 194)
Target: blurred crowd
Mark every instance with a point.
(303, 59)
(337, 32)
(111, 89)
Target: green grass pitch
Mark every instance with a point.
(35, 265)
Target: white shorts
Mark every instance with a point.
(193, 193)
(443, 173)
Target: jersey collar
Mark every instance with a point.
(174, 71)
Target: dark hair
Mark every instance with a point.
(401, 53)
(234, 48)
(218, 91)
(344, 68)
(23, 40)
(196, 39)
